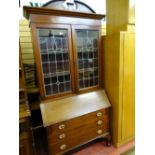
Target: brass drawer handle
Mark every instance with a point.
(99, 122)
(62, 126)
(63, 135)
(63, 146)
(99, 131)
(99, 114)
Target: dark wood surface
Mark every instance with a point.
(73, 126)
(81, 118)
(77, 131)
(34, 18)
(48, 11)
(71, 107)
(78, 140)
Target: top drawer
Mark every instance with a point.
(79, 121)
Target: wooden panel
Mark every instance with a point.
(131, 28)
(24, 22)
(25, 40)
(21, 71)
(48, 11)
(62, 20)
(128, 115)
(24, 34)
(24, 28)
(104, 30)
(71, 130)
(29, 61)
(82, 137)
(26, 46)
(117, 15)
(24, 147)
(119, 84)
(75, 124)
(24, 111)
(27, 51)
(75, 106)
(27, 56)
(111, 79)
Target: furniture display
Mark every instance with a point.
(76, 120)
(26, 142)
(67, 48)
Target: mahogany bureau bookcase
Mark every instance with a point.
(67, 46)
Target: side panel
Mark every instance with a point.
(128, 94)
(111, 69)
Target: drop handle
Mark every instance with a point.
(63, 135)
(99, 114)
(99, 122)
(62, 126)
(63, 146)
(99, 131)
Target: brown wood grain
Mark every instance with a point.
(49, 11)
(63, 20)
(82, 137)
(71, 107)
(82, 124)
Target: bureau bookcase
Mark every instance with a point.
(67, 47)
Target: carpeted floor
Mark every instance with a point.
(129, 152)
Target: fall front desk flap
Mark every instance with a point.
(67, 108)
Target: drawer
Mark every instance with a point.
(78, 121)
(85, 124)
(82, 136)
(55, 137)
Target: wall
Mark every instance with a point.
(27, 53)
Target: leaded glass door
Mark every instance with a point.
(86, 45)
(55, 56)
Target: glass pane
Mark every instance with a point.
(55, 60)
(87, 48)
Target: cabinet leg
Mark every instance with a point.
(108, 140)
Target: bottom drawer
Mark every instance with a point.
(67, 144)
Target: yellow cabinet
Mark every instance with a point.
(119, 84)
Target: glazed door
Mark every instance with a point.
(54, 59)
(86, 45)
